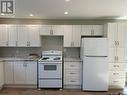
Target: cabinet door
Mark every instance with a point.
(31, 72)
(67, 35)
(12, 35)
(98, 30)
(33, 36)
(1, 74)
(112, 55)
(122, 29)
(58, 30)
(112, 34)
(76, 35)
(45, 29)
(19, 72)
(8, 72)
(22, 35)
(121, 55)
(86, 30)
(3, 35)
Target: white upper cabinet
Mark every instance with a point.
(86, 30)
(52, 30)
(92, 30)
(58, 30)
(112, 34)
(33, 36)
(19, 36)
(76, 35)
(72, 35)
(67, 35)
(121, 34)
(28, 36)
(12, 35)
(116, 34)
(22, 36)
(98, 30)
(3, 35)
(45, 29)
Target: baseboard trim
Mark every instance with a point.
(20, 86)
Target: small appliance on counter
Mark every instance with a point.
(50, 69)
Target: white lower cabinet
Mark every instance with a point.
(116, 75)
(20, 72)
(72, 74)
(1, 75)
(9, 72)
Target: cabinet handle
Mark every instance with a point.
(116, 58)
(51, 32)
(118, 43)
(115, 43)
(16, 43)
(29, 44)
(92, 32)
(115, 81)
(115, 73)
(72, 81)
(72, 73)
(116, 65)
(72, 43)
(7, 43)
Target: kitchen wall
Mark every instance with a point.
(48, 43)
(52, 42)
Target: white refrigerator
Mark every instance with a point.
(94, 52)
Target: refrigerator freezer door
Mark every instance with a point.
(95, 73)
(95, 46)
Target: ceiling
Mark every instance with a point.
(78, 9)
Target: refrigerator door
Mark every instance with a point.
(95, 74)
(95, 46)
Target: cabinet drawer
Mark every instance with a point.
(117, 66)
(71, 73)
(116, 74)
(72, 65)
(72, 81)
(117, 83)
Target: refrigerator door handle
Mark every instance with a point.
(95, 56)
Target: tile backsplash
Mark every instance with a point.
(72, 52)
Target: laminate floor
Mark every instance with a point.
(24, 91)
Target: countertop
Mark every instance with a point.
(18, 59)
(72, 60)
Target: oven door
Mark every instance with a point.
(50, 70)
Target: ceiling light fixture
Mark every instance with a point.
(67, 0)
(31, 15)
(65, 13)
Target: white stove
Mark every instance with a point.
(50, 69)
